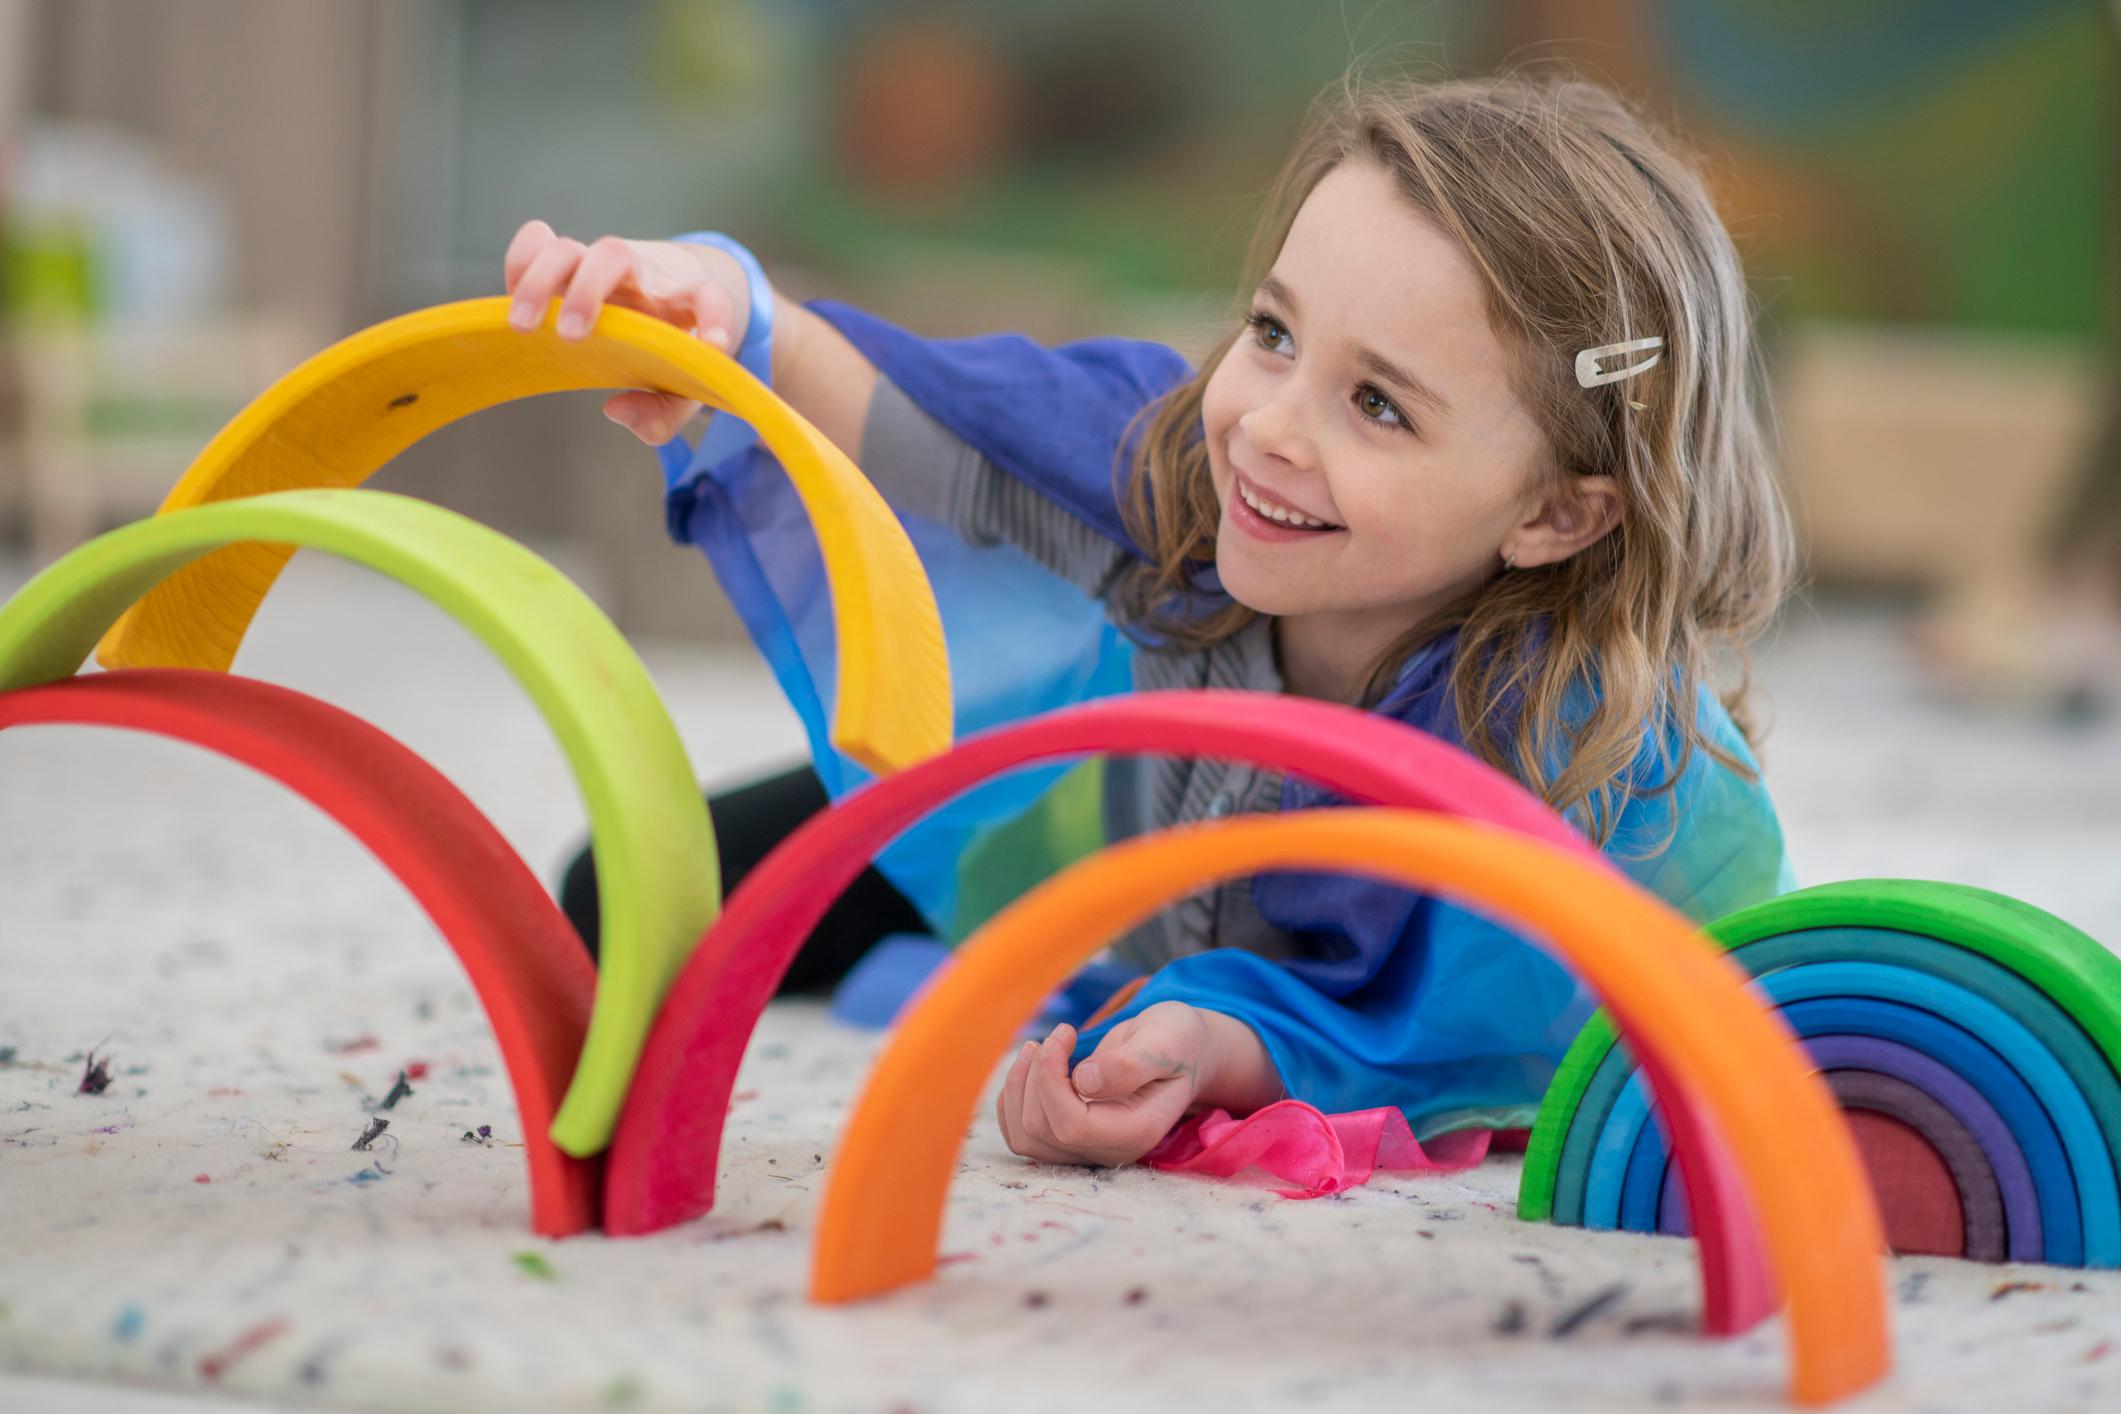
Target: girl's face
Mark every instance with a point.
(1372, 460)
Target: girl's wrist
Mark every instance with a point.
(723, 269)
(795, 328)
(793, 325)
(1236, 1073)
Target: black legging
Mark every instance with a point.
(748, 822)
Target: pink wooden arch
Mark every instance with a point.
(660, 1169)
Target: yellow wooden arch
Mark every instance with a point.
(340, 416)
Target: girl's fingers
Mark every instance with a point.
(548, 270)
(1114, 1071)
(530, 238)
(714, 316)
(1045, 1119)
(1017, 1102)
(655, 418)
(1037, 1118)
(605, 266)
(1009, 1102)
(1163, 1043)
(1065, 1120)
(1103, 1133)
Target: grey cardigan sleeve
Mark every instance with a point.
(922, 468)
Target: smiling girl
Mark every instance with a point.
(1481, 453)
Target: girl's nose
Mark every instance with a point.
(1276, 428)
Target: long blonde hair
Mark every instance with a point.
(1588, 228)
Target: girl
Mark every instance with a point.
(1482, 453)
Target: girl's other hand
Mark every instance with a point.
(1119, 1103)
(1044, 1117)
(697, 288)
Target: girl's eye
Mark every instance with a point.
(1266, 329)
(1375, 407)
(1378, 408)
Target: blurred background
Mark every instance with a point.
(195, 194)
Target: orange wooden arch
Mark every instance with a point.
(1673, 993)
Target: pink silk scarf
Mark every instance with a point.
(1320, 1153)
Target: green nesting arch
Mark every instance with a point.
(2069, 967)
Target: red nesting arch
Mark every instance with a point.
(660, 1169)
(531, 973)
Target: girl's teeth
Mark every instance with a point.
(1286, 517)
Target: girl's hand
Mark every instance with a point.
(699, 289)
(1143, 1077)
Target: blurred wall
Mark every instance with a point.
(1916, 188)
(272, 100)
(323, 125)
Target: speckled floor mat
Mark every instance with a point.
(203, 1224)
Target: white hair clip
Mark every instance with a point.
(1588, 374)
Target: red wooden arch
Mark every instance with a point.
(531, 973)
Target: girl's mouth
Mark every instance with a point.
(1266, 520)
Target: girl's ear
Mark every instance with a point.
(1581, 513)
